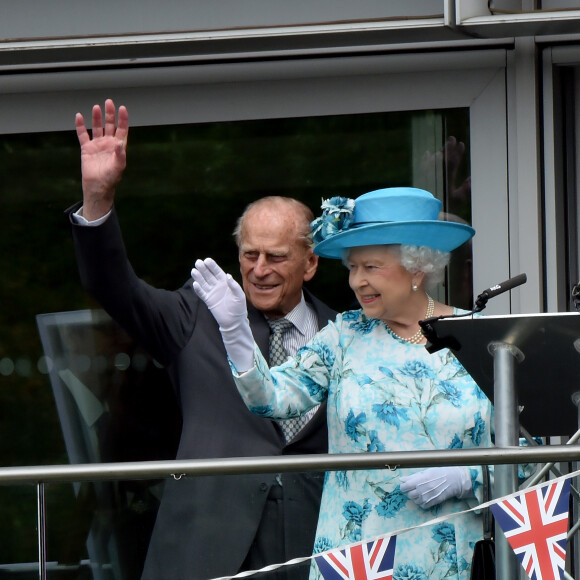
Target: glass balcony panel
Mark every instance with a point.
(73, 387)
(18, 532)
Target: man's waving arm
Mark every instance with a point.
(103, 158)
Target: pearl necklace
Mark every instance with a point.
(418, 336)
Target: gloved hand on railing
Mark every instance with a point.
(227, 302)
(434, 485)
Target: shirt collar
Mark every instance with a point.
(298, 316)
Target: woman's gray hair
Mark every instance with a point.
(427, 260)
(419, 259)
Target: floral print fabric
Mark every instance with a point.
(383, 395)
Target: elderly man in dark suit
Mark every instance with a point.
(211, 526)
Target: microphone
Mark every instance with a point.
(492, 291)
(435, 342)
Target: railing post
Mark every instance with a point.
(506, 435)
(41, 526)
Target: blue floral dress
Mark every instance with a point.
(383, 395)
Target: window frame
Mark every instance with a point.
(306, 87)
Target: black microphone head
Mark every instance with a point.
(499, 289)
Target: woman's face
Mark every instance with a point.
(382, 286)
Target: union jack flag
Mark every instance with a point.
(370, 561)
(535, 524)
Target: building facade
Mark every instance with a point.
(474, 100)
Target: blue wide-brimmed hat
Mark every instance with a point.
(395, 215)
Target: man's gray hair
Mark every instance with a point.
(302, 211)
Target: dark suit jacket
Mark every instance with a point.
(205, 525)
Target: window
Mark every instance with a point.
(194, 163)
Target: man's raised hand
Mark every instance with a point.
(103, 157)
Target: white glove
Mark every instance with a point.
(436, 484)
(227, 302)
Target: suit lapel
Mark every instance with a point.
(260, 329)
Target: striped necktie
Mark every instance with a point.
(277, 356)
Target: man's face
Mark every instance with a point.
(274, 262)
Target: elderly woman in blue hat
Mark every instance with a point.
(385, 392)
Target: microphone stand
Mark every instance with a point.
(436, 342)
(506, 417)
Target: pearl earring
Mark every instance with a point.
(415, 287)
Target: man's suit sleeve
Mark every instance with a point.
(161, 320)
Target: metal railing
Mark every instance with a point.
(41, 475)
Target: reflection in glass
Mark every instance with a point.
(99, 530)
(114, 404)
